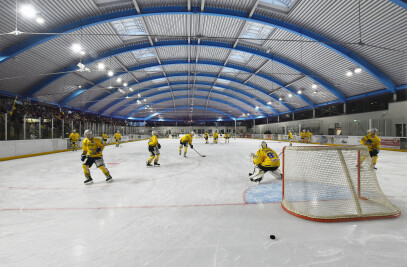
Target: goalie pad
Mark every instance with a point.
(257, 175)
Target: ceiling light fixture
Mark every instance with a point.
(358, 70)
(349, 73)
(28, 11)
(110, 73)
(299, 92)
(290, 95)
(101, 66)
(39, 20)
(119, 80)
(314, 86)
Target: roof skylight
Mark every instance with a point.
(129, 28)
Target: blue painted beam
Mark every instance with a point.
(201, 97)
(252, 51)
(402, 3)
(185, 83)
(150, 11)
(199, 75)
(172, 62)
(186, 97)
(186, 107)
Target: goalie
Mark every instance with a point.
(265, 160)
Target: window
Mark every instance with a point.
(240, 57)
(153, 70)
(129, 28)
(143, 54)
(282, 6)
(229, 70)
(256, 33)
(161, 80)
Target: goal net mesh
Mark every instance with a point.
(332, 184)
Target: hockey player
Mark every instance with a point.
(185, 140)
(153, 147)
(206, 138)
(92, 153)
(265, 160)
(303, 136)
(372, 141)
(290, 137)
(104, 137)
(74, 137)
(118, 137)
(215, 137)
(226, 138)
(308, 136)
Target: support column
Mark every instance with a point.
(235, 127)
(52, 129)
(63, 130)
(254, 126)
(313, 113)
(394, 97)
(344, 108)
(39, 128)
(24, 127)
(370, 124)
(278, 118)
(293, 115)
(5, 126)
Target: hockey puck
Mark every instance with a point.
(272, 237)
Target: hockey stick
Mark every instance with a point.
(361, 126)
(199, 153)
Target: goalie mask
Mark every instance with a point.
(263, 144)
(87, 132)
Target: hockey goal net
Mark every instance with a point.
(332, 184)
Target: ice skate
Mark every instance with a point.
(88, 181)
(109, 179)
(156, 164)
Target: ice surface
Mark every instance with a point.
(188, 212)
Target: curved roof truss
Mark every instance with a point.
(149, 11)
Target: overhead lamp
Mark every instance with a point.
(280, 99)
(315, 92)
(110, 73)
(77, 48)
(299, 92)
(125, 84)
(80, 86)
(138, 95)
(349, 73)
(39, 20)
(145, 100)
(119, 80)
(248, 114)
(28, 11)
(314, 86)
(126, 96)
(131, 89)
(101, 66)
(110, 87)
(121, 90)
(358, 70)
(82, 52)
(290, 95)
(269, 103)
(256, 107)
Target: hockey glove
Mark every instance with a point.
(159, 146)
(98, 150)
(368, 141)
(191, 146)
(83, 157)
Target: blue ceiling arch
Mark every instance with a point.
(186, 83)
(186, 97)
(208, 75)
(174, 62)
(198, 97)
(187, 107)
(47, 81)
(402, 3)
(214, 11)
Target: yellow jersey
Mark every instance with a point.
(227, 135)
(308, 135)
(290, 135)
(118, 136)
(374, 141)
(153, 141)
(206, 135)
(187, 138)
(90, 146)
(303, 135)
(215, 135)
(74, 137)
(104, 136)
(267, 158)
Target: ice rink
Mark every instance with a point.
(191, 211)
